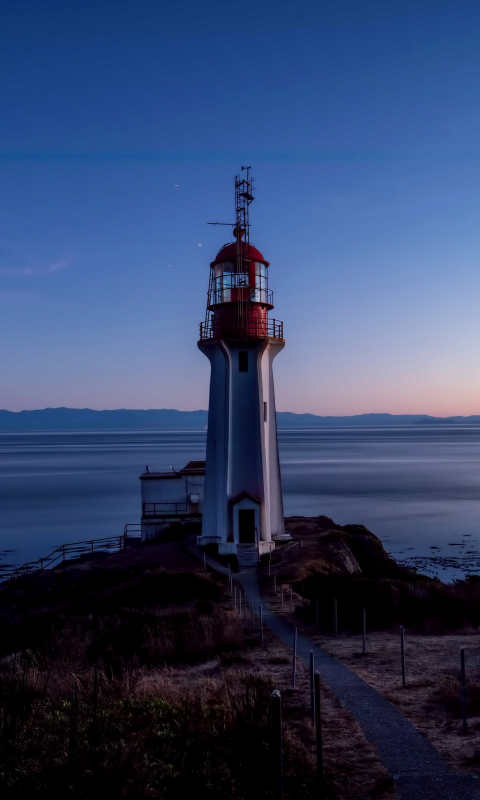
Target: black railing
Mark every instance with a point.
(250, 329)
(132, 530)
(163, 509)
(71, 550)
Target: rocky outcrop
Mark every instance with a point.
(320, 545)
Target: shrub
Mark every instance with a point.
(424, 605)
(141, 736)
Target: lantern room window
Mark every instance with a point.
(229, 284)
(259, 294)
(227, 279)
(260, 275)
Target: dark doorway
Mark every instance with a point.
(246, 525)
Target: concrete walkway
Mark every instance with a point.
(418, 769)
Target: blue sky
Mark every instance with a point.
(122, 125)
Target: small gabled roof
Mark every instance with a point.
(242, 495)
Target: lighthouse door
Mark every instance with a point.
(246, 525)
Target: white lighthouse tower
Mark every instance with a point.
(243, 508)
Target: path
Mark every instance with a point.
(418, 769)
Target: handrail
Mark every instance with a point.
(72, 548)
(154, 509)
(132, 527)
(251, 328)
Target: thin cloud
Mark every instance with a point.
(34, 271)
(57, 266)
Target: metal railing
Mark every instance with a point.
(250, 329)
(162, 509)
(132, 530)
(72, 550)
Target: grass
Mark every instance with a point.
(352, 767)
(126, 679)
(134, 684)
(431, 699)
(325, 561)
(422, 604)
(141, 735)
(438, 618)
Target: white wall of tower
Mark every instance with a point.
(242, 448)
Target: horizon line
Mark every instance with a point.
(203, 410)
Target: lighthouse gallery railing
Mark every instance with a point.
(252, 329)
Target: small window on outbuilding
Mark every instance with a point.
(243, 361)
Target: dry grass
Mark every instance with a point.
(353, 769)
(73, 730)
(132, 681)
(144, 735)
(320, 546)
(431, 699)
(324, 561)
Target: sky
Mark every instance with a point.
(122, 126)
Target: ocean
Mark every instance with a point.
(417, 488)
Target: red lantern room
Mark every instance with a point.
(238, 295)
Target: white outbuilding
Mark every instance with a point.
(172, 499)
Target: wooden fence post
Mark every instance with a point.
(318, 724)
(402, 653)
(277, 744)
(312, 686)
(463, 688)
(294, 663)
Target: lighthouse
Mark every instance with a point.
(243, 507)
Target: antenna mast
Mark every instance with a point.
(243, 198)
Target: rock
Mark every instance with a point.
(331, 549)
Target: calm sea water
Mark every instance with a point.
(417, 488)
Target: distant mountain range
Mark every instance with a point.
(85, 419)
